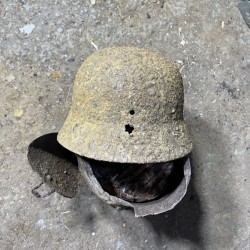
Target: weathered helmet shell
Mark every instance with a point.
(122, 88)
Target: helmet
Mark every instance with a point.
(127, 107)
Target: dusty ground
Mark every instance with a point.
(209, 41)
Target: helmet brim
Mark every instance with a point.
(110, 142)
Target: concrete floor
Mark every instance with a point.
(209, 41)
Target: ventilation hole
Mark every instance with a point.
(129, 128)
(132, 112)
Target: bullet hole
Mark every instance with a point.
(132, 112)
(129, 128)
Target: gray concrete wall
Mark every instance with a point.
(210, 43)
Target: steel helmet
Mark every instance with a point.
(127, 107)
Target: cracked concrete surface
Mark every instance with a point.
(42, 44)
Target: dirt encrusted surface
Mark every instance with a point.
(43, 44)
(111, 84)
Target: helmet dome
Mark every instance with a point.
(127, 107)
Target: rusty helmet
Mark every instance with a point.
(127, 107)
